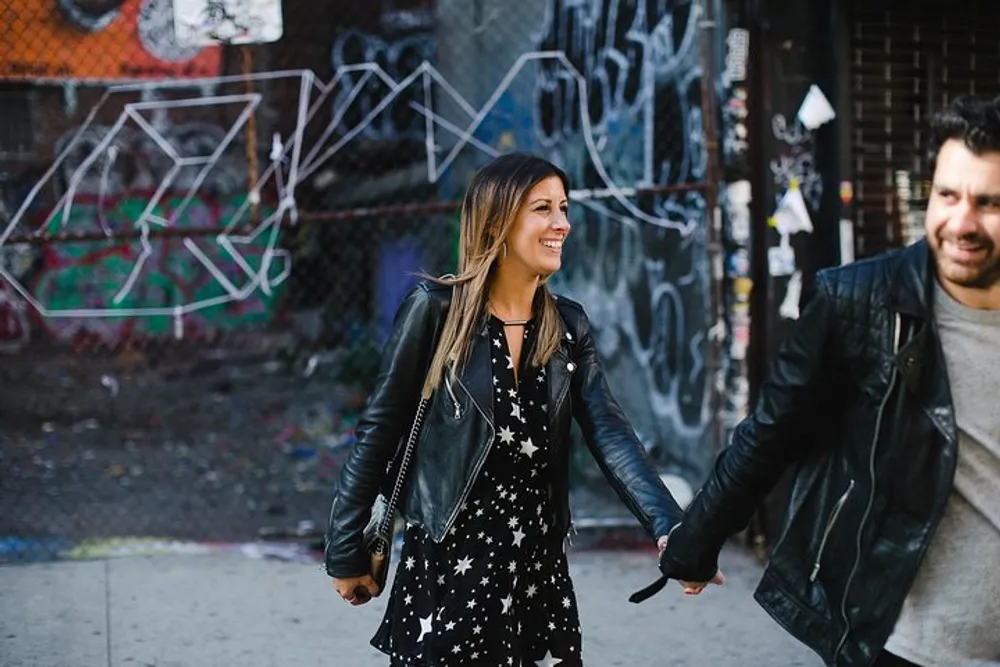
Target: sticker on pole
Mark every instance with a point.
(207, 22)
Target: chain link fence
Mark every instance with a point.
(202, 247)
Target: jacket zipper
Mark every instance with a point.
(871, 495)
(451, 393)
(829, 529)
(482, 461)
(475, 472)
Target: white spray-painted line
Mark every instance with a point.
(300, 128)
(50, 172)
(109, 160)
(338, 116)
(227, 140)
(144, 254)
(485, 110)
(454, 94)
(184, 103)
(267, 258)
(429, 143)
(598, 164)
(77, 313)
(454, 129)
(78, 175)
(151, 132)
(219, 276)
(201, 82)
(310, 164)
(154, 201)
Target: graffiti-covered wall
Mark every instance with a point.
(611, 91)
(418, 98)
(106, 193)
(299, 190)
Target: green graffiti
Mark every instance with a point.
(100, 275)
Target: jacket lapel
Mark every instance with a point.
(911, 287)
(560, 370)
(478, 375)
(921, 361)
(923, 370)
(559, 379)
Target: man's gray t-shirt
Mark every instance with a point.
(951, 617)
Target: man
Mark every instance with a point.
(886, 400)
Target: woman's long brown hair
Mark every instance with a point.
(489, 210)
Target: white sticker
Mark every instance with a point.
(781, 260)
(789, 308)
(815, 109)
(792, 216)
(208, 22)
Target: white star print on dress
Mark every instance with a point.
(496, 590)
(548, 661)
(463, 566)
(528, 448)
(425, 626)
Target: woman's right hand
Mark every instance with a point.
(356, 590)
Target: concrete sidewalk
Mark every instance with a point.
(225, 609)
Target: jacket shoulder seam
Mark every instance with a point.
(431, 286)
(565, 301)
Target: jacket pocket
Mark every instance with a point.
(830, 523)
(780, 600)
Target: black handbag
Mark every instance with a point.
(380, 533)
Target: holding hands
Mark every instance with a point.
(690, 587)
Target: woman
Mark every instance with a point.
(482, 578)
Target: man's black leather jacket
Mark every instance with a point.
(859, 401)
(457, 433)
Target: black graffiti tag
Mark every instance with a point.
(607, 42)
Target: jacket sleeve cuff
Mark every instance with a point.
(342, 568)
(687, 558)
(662, 525)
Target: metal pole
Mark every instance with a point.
(713, 176)
(253, 170)
(757, 138)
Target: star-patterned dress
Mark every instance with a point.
(495, 592)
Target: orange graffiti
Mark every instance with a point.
(42, 41)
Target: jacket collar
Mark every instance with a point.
(912, 286)
(478, 375)
(921, 361)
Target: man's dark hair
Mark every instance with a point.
(975, 121)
